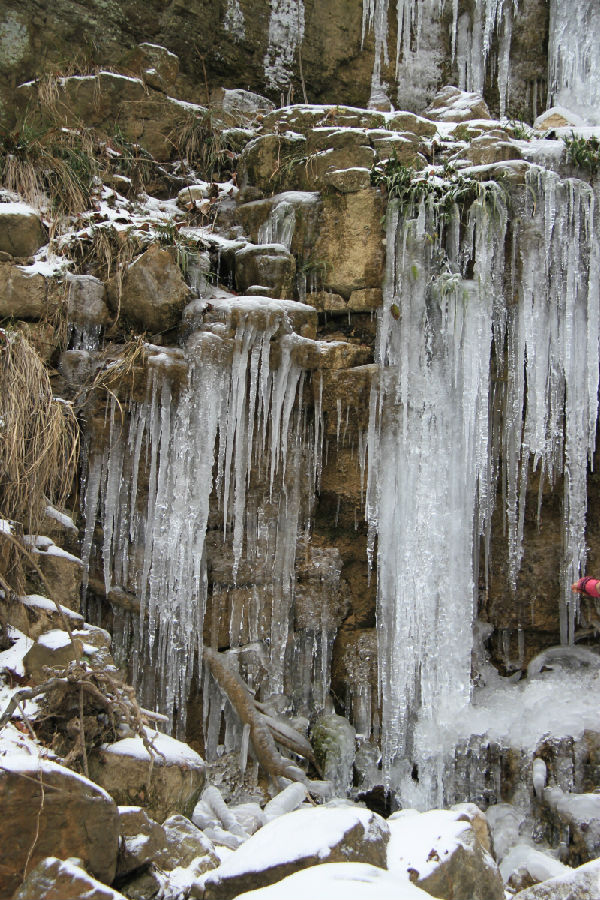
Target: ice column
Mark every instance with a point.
(574, 57)
(428, 466)
(286, 31)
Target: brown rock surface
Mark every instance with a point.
(154, 292)
(21, 230)
(48, 810)
(57, 879)
(22, 296)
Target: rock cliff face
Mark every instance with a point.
(335, 52)
(336, 367)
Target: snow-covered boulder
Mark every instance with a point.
(185, 843)
(580, 814)
(453, 105)
(53, 649)
(524, 866)
(440, 852)
(577, 884)
(350, 881)
(298, 840)
(58, 879)
(141, 839)
(173, 786)
(48, 810)
(21, 229)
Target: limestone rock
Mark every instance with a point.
(185, 843)
(270, 157)
(239, 108)
(289, 218)
(579, 884)
(156, 65)
(580, 815)
(34, 615)
(62, 570)
(407, 121)
(141, 839)
(524, 866)
(366, 300)
(21, 229)
(453, 105)
(557, 117)
(177, 777)
(22, 295)
(265, 264)
(349, 180)
(334, 743)
(349, 244)
(86, 301)
(58, 879)
(48, 810)
(441, 853)
(154, 291)
(298, 840)
(52, 650)
(488, 149)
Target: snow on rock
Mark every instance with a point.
(339, 881)
(580, 814)
(12, 659)
(178, 774)
(525, 865)
(577, 884)
(439, 850)
(48, 809)
(298, 840)
(171, 752)
(54, 878)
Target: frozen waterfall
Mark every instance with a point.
(489, 366)
(574, 57)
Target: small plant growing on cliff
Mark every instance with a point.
(583, 152)
(442, 188)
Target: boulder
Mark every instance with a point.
(237, 107)
(62, 570)
(48, 810)
(184, 843)
(578, 884)
(557, 117)
(298, 840)
(407, 121)
(352, 881)
(54, 650)
(141, 839)
(154, 292)
(86, 301)
(268, 158)
(440, 852)
(23, 295)
(173, 785)
(59, 879)
(524, 866)
(21, 230)
(334, 743)
(265, 264)
(450, 104)
(579, 814)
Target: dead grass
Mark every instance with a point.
(39, 443)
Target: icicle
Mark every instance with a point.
(574, 57)
(286, 32)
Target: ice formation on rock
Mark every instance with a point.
(574, 57)
(442, 432)
(429, 463)
(472, 36)
(234, 417)
(286, 31)
(234, 21)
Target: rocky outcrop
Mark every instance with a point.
(21, 230)
(580, 884)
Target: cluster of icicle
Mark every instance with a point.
(472, 37)
(286, 31)
(234, 417)
(446, 416)
(574, 57)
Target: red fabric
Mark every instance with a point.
(588, 585)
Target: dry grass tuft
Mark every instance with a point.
(39, 435)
